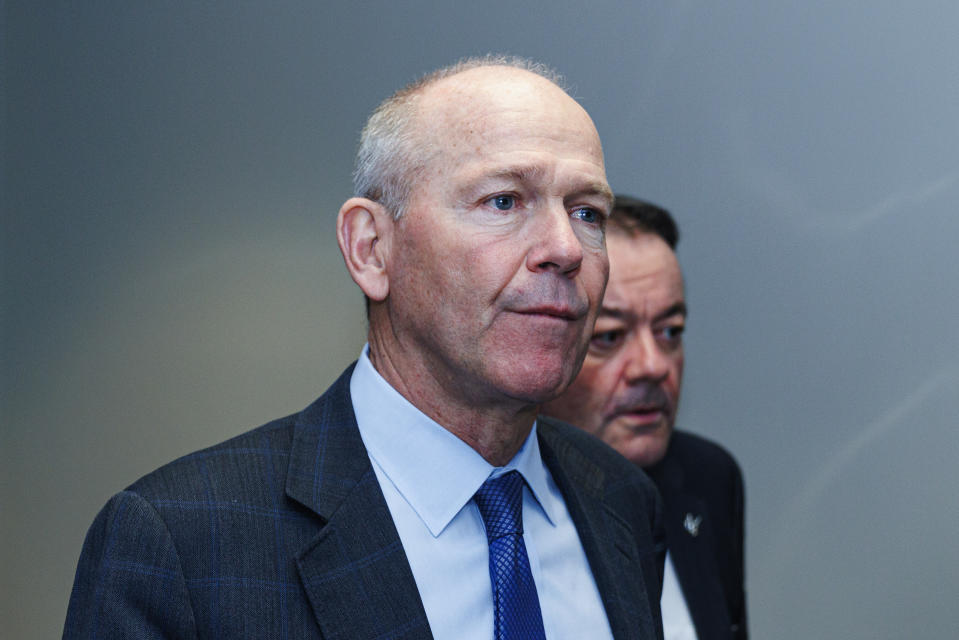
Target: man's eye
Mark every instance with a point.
(503, 202)
(606, 339)
(673, 333)
(588, 215)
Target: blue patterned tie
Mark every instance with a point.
(517, 612)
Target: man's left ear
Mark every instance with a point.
(363, 230)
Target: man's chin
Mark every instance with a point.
(539, 384)
(647, 444)
(537, 394)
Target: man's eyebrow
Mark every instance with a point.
(519, 173)
(678, 308)
(530, 173)
(481, 181)
(618, 314)
(600, 189)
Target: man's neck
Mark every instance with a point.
(494, 427)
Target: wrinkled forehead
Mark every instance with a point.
(642, 265)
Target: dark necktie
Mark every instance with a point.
(517, 613)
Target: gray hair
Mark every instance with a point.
(391, 154)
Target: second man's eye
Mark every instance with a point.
(674, 332)
(503, 202)
(606, 339)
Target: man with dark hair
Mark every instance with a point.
(634, 216)
(420, 496)
(627, 393)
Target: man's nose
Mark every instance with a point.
(645, 359)
(556, 247)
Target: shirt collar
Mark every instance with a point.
(434, 471)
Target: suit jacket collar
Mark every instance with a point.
(692, 553)
(356, 565)
(609, 542)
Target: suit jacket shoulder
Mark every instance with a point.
(279, 532)
(689, 449)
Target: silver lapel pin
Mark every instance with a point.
(692, 524)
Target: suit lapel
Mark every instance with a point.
(355, 572)
(607, 539)
(691, 537)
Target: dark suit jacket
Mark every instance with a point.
(283, 532)
(700, 479)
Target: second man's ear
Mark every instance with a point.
(364, 230)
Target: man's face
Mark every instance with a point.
(499, 263)
(628, 390)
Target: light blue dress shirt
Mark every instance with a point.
(428, 477)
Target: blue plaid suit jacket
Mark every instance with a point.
(283, 532)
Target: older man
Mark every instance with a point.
(419, 496)
(628, 392)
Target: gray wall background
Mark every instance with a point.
(172, 173)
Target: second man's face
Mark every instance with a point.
(628, 390)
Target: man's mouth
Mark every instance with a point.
(641, 415)
(553, 311)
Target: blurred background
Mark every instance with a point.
(170, 278)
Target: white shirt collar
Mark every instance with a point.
(434, 471)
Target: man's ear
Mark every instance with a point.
(363, 230)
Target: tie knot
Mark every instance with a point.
(500, 501)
